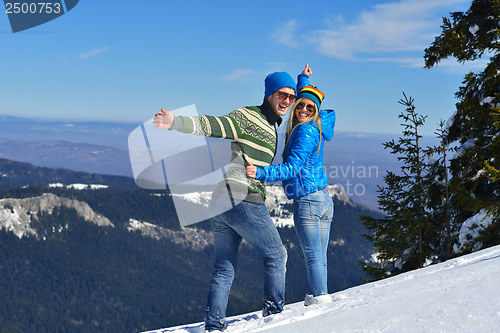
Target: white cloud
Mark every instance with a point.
(454, 67)
(405, 26)
(279, 64)
(93, 53)
(412, 62)
(390, 32)
(237, 75)
(451, 65)
(285, 33)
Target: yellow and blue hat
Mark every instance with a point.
(313, 94)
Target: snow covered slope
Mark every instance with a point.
(460, 295)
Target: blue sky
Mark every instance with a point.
(123, 61)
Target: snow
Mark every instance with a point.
(338, 242)
(275, 201)
(479, 174)
(138, 225)
(449, 122)
(474, 29)
(97, 186)
(468, 144)
(202, 198)
(459, 295)
(80, 186)
(15, 219)
(486, 100)
(468, 232)
(194, 238)
(374, 258)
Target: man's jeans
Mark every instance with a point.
(251, 222)
(312, 215)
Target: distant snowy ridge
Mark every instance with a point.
(275, 201)
(198, 239)
(195, 239)
(80, 186)
(459, 295)
(16, 214)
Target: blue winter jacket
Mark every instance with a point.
(302, 169)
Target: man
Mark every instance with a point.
(237, 204)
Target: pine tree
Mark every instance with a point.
(491, 235)
(442, 213)
(403, 237)
(491, 171)
(469, 36)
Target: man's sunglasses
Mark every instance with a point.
(309, 107)
(283, 96)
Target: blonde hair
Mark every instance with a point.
(293, 117)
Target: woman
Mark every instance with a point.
(304, 181)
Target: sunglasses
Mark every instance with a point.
(283, 96)
(309, 107)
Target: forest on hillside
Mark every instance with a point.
(88, 278)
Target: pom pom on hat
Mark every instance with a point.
(277, 80)
(313, 94)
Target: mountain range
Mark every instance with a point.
(356, 161)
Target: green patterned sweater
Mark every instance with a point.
(253, 139)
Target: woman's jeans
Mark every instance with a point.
(250, 221)
(312, 215)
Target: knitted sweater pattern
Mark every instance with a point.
(253, 139)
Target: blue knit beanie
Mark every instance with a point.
(277, 80)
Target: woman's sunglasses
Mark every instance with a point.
(309, 107)
(283, 96)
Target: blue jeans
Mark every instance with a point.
(312, 215)
(251, 222)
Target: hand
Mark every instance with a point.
(165, 119)
(251, 170)
(307, 70)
